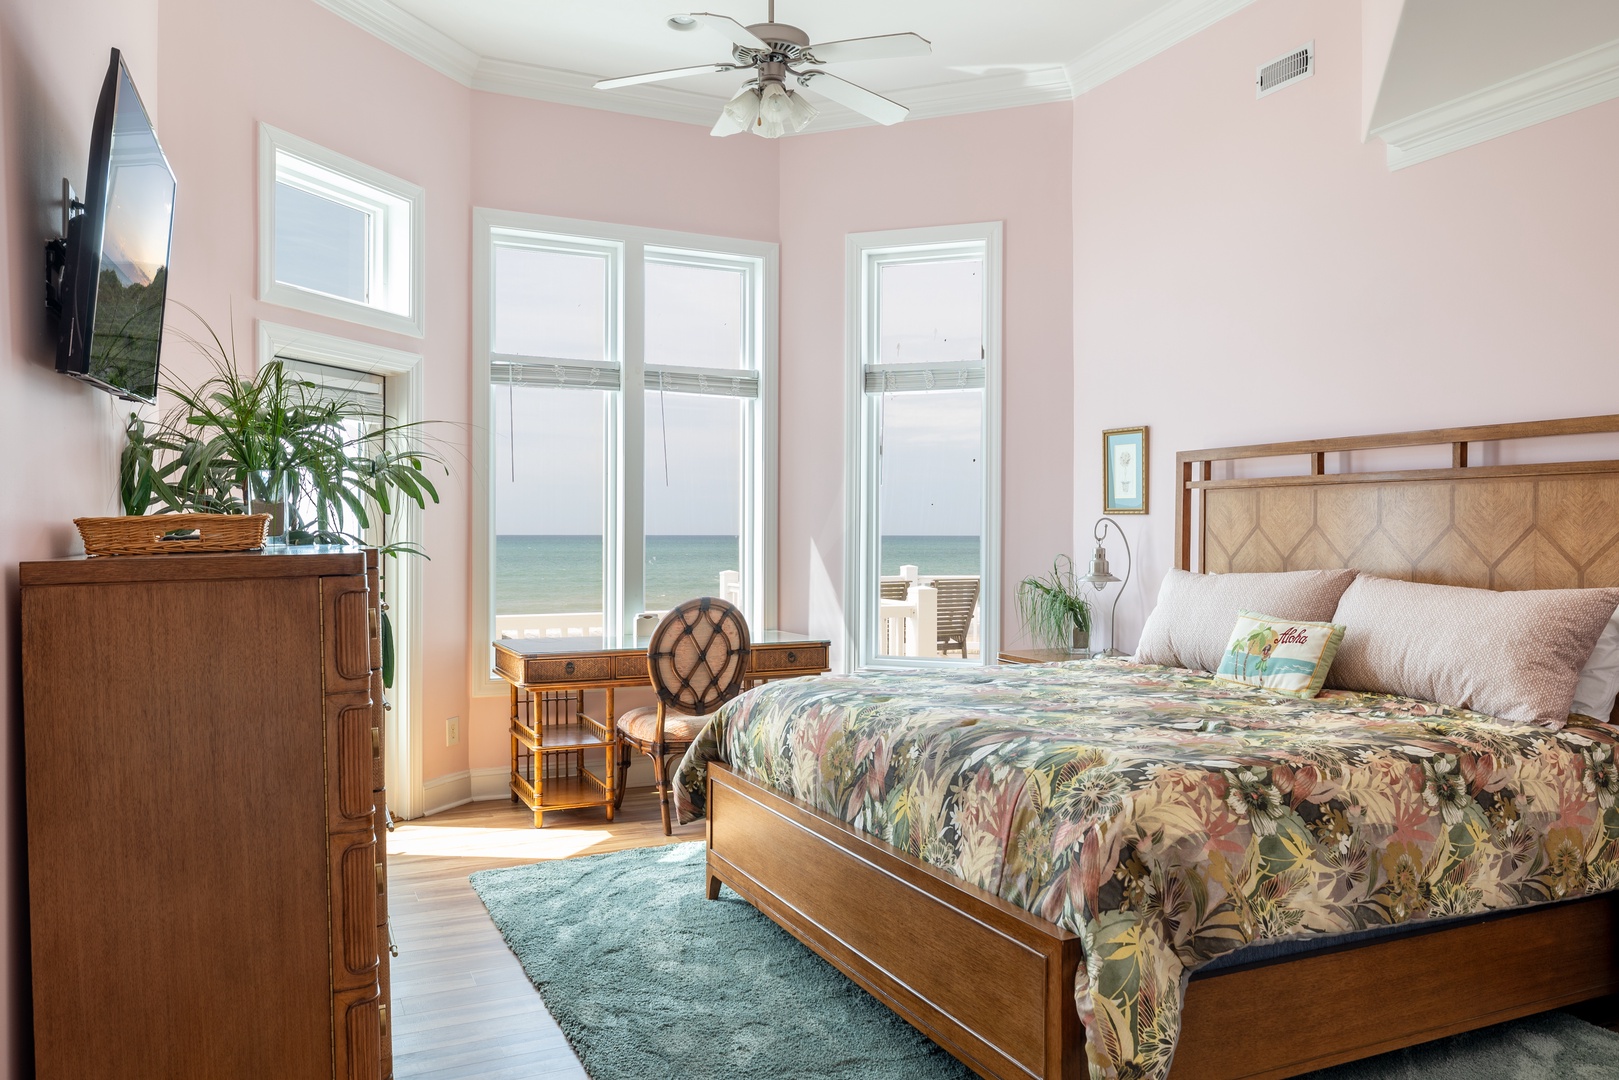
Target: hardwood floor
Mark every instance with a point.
(462, 1005)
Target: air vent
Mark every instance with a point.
(1285, 70)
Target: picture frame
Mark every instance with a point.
(1124, 470)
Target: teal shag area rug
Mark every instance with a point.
(651, 981)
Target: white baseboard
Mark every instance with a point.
(445, 792)
(492, 783)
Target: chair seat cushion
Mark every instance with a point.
(641, 724)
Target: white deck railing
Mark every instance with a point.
(910, 627)
(907, 627)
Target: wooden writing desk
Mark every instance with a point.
(550, 733)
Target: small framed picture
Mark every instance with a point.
(1124, 471)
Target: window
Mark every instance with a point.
(923, 566)
(337, 237)
(628, 381)
(394, 381)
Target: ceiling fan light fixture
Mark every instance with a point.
(743, 109)
(781, 111)
(682, 22)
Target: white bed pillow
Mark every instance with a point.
(1598, 687)
(1514, 655)
(1191, 623)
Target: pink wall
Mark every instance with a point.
(304, 70)
(1249, 271)
(1011, 166)
(60, 440)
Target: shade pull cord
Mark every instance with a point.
(511, 426)
(663, 422)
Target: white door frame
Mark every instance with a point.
(404, 399)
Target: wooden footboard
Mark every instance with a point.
(994, 985)
(984, 979)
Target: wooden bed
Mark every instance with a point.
(993, 984)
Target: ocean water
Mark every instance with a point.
(535, 574)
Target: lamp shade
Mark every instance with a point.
(1100, 575)
(781, 111)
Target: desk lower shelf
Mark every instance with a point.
(553, 753)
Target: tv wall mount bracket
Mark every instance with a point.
(56, 248)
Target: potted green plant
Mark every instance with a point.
(1053, 609)
(321, 464)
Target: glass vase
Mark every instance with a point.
(269, 493)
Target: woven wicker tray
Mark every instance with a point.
(144, 535)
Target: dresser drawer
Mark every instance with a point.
(350, 761)
(379, 735)
(773, 659)
(630, 667)
(380, 835)
(355, 884)
(357, 1025)
(385, 1012)
(346, 633)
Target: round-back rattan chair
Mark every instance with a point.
(698, 660)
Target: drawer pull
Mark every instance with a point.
(792, 657)
(569, 667)
(387, 706)
(382, 1019)
(393, 946)
(376, 742)
(382, 881)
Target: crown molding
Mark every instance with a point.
(410, 35)
(1143, 40)
(1584, 79)
(1002, 90)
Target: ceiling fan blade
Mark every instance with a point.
(734, 31)
(659, 76)
(858, 98)
(884, 47)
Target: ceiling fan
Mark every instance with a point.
(776, 53)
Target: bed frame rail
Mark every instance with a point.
(993, 985)
(984, 979)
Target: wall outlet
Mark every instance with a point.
(452, 731)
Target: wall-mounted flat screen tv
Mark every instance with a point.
(116, 269)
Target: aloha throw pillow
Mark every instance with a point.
(1284, 656)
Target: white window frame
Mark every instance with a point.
(865, 253)
(404, 397)
(628, 249)
(397, 234)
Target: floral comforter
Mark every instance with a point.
(1168, 819)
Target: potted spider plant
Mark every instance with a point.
(270, 442)
(1053, 608)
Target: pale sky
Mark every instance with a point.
(552, 304)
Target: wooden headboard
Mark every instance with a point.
(1529, 526)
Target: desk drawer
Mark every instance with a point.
(631, 667)
(771, 659)
(552, 670)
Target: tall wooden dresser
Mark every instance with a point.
(206, 874)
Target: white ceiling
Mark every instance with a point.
(985, 56)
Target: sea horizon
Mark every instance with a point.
(562, 572)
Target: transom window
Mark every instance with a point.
(924, 362)
(629, 381)
(338, 237)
